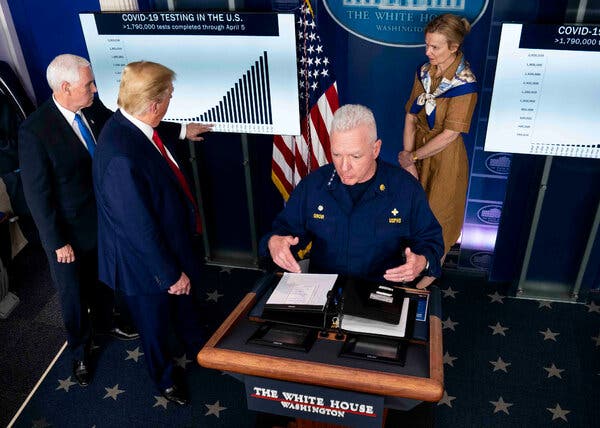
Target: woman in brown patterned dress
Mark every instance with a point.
(439, 109)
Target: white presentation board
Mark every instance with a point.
(236, 70)
(546, 94)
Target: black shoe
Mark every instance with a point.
(123, 333)
(176, 395)
(81, 373)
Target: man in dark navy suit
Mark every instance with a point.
(147, 219)
(56, 144)
(55, 162)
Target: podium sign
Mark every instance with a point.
(313, 402)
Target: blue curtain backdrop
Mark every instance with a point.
(47, 29)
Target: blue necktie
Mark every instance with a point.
(86, 134)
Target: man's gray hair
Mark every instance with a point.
(351, 116)
(64, 68)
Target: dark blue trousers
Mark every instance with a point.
(152, 315)
(85, 302)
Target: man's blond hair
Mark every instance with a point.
(142, 83)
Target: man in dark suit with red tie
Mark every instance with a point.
(147, 219)
(56, 145)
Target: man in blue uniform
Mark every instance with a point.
(364, 217)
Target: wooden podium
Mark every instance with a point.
(421, 378)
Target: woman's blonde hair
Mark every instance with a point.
(453, 27)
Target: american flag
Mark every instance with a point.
(294, 156)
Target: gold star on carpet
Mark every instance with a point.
(500, 364)
(501, 406)
(593, 307)
(498, 329)
(449, 292)
(134, 355)
(449, 324)
(596, 339)
(544, 304)
(554, 371)
(65, 384)
(558, 412)
(160, 401)
(446, 399)
(496, 297)
(40, 423)
(448, 359)
(214, 409)
(214, 296)
(549, 334)
(113, 392)
(182, 361)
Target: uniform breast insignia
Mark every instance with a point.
(331, 178)
(381, 187)
(319, 215)
(395, 219)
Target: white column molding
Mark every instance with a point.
(118, 5)
(10, 48)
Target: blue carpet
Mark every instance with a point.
(508, 363)
(122, 394)
(517, 363)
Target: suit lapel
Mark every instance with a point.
(66, 133)
(149, 151)
(93, 125)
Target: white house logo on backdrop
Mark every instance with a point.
(490, 214)
(498, 163)
(397, 22)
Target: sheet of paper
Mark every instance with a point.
(297, 289)
(364, 325)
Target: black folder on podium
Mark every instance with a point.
(300, 299)
(372, 300)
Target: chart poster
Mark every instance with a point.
(546, 91)
(235, 70)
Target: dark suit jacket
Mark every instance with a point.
(57, 176)
(145, 221)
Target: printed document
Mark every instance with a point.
(302, 290)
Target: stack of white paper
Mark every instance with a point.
(354, 324)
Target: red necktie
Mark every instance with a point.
(180, 178)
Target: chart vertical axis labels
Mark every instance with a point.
(545, 93)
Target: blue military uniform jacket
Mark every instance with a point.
(364, 239)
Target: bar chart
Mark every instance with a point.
(246, 107)
(241, 77)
